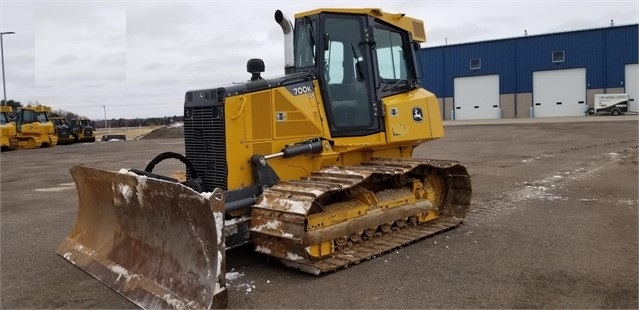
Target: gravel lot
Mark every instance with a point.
(553, 224)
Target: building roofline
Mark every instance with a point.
(534, 35)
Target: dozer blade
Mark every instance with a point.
(157, 243)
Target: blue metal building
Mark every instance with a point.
(554, 74)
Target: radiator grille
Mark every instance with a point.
(205, 144)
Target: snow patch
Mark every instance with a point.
(627, 201)
(125, 171)
(206, 195)
(174, 302)
(317, 192)
(236, 220)
(544, 189)
(140, 188)
(246, 287)
(84, 250)
(60, 187)
(287, 235)
(336, 169)
(299, 207)
(218, 286)
(234, 275)
(270, 225)
(219, 224)
(122, 272)
(126, 191)
(53, 189)
(293, 256)
(531, 159)
(262, 249)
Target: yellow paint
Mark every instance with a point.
(7, 130)
(399, 114)
(322, 249)
(336, 213)
(428, 216)
(360, 205)
(265, 122)
(399, 129)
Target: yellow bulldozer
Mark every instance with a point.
(82, 129)
(34, 129)
(62, 128)
(313, 168)
(8, 139)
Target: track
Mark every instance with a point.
(340, 216)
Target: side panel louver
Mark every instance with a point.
(205, 144)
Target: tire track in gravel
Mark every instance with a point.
(545, 189)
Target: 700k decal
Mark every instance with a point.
(300, 88)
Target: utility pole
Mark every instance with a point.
(4, 87)
(105, 120)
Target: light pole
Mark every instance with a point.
(105, 120)
(4, 87)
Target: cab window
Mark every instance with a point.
(42, 117)
(29, 116)
(394, 57)
(305, 43)
(391, 55)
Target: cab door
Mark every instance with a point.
(346, 71)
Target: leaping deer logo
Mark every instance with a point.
(417, 114)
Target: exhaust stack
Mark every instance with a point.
(287, 29)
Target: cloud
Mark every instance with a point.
(151, 22)
(66, 59)
(153, 66)
(81, 44)
(117, 59)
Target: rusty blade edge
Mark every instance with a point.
(134, 287)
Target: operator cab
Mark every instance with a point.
(359, 60)
(3, 118)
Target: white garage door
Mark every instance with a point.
(632, 86)
(559, 93)
(477, 97)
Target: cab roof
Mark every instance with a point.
(412, 25)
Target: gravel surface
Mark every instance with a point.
(553, 224)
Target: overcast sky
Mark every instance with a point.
(138, 58)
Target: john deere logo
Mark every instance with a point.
(417, 114)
